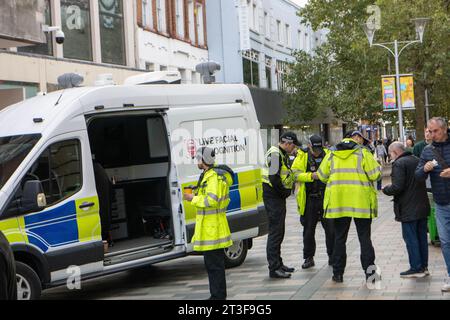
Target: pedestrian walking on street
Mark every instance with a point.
(381, 152)
(411, 208)
(278, 181)
(419, 146)
(434, 162)
(310, 196)
(212, 233)
(350, 172)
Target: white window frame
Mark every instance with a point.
(191, 20)
(179, 12)
(287, 36)
(200, 25)
(147, 13)
(161, 16)
(267, 24)
(255, 17)
(279, 33)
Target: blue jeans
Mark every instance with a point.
(443, 225)
(415, 236)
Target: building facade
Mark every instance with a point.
(254, 41)
(118, 37)
(99, 39)
(172, 35)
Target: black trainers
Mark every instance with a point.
(280, 274)
(287, 269)
(309, 263)
(338, 278)
(412, 274)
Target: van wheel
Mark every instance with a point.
(28, 282)
(236, 254)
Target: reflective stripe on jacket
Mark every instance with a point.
(299, 167)
(349, 175)
(286, 175)
(211, 201)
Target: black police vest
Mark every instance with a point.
(316, 187)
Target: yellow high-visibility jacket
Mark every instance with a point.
(286, 175)
(211, 201)
(350, 173)
(299, 167)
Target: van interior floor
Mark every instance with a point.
(136, 244)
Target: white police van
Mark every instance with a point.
(144, 136)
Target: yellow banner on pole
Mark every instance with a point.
(407, 92)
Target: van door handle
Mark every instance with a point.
(86, 205)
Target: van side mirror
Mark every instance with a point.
(33, 197)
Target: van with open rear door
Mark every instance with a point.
(144, 138)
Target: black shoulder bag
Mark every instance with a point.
(439, 158)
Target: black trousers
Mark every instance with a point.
(363, 228)
(313, 214)
(215, 266)
(276, 212)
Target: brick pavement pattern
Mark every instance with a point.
(186, 278)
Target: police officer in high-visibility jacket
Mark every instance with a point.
(212, 233)
(350, 171)
(310, 196)
(278, 180)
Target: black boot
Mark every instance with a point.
(309, 262)
(338, 278)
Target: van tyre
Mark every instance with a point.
(28, 282)
(236, 254)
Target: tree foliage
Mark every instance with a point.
(344, 74)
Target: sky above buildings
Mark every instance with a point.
(300, 2)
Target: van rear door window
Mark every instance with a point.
(13, 150)
(128, 141)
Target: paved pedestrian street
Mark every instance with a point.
(186, 278)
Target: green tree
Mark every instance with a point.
(346, 71)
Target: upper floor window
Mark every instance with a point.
(200, 24)
(250, 64)
(279, 33)
(147, 13)
(161, 17)
(287, 36)
(267, 25)
(191, 20)
(179, 15)
(112, 36)
(76, 25)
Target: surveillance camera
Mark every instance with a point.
(59, 36)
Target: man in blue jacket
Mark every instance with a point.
(434, 162)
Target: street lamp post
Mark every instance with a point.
(420, 24)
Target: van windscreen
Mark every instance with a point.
(13, 150)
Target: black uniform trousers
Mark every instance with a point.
(312, 215)
(276, 211)
(363, 228)
(215, 266)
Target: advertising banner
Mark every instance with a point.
(407, 92)
(388, 88)
(389, 94)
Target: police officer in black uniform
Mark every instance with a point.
(314, 207)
